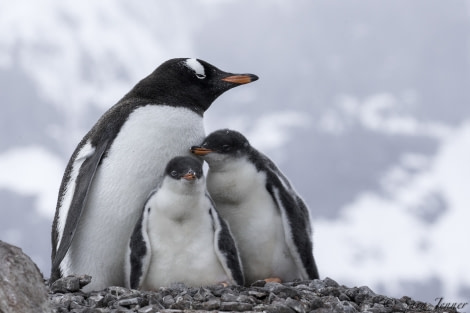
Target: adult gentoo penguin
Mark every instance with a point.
(268, 218)
(179, 237)
(119, 161)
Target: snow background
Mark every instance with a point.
(363, 104)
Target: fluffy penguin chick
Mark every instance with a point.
(180, 238)
(122, 158)
(269, 220)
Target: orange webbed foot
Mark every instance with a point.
(273, 280)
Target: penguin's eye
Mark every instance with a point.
(226, 148)
(200, 76)
(174, 173)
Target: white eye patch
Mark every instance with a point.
(197, 67)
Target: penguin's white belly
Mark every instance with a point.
(134, 166)
(182, 250)
(255, 222)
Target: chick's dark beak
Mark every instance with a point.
(191, 175)
(200, 150)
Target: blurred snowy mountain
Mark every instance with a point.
(364, 105)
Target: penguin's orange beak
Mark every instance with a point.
(240, 79)
(200, 150)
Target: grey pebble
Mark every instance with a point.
(98, 310)
(129, 302)
(202, 294)
(364, 294)
(66, 284)
(96, 301)
(109, 299)
(168, 300)
(330, 291)
(235, 306)
(330, 282)
(156, 300)
(101, 310)
(315, 303)
(272, 297)
(147, 309)
(343, 297)
(217, 290)
(322, 310)
(278, 307)
(228, 297)
(246, 299)
(317, 284)
(349, 307)
(77, 303)
(303, 287)
(258, 294)
(182, 302)
(70, 283)
(123, 310)
(281, 290)
(258, 283)
(209, 305)
(295, 305)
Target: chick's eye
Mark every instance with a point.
(174, 173)
(226, 148)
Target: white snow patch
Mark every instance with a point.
(32, 171)
(380, 241)
(271, 131)
(383, 113)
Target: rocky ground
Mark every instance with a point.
(297, 297)
(23, 290)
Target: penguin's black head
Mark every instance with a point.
(184, 167)
(187, 82)
(225, 142)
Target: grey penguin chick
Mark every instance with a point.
(269, 220)
(120, 160)
(179, 237)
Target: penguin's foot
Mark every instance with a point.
(273, 280)
(224, 284)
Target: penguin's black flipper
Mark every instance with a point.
(294, 213)
(82, 186)
(138, 257)
(296, 221)
(225, 246)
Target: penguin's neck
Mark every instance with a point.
(179, 201)
(232, 181)
(155, 94)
